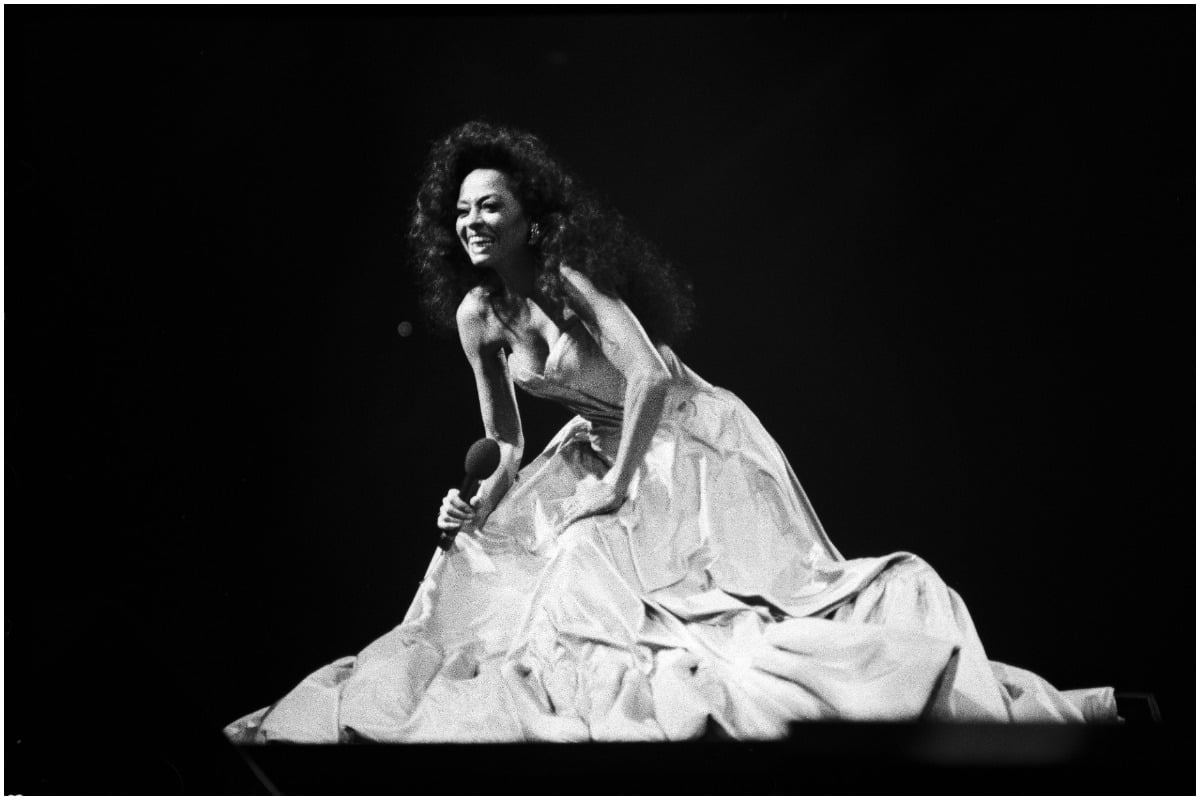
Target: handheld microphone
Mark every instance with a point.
(481, 461)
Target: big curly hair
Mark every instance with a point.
(576, 229)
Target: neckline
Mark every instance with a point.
(555, 351)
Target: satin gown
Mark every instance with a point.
(711, 597)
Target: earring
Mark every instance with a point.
(535, 233)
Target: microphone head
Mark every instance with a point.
(482, 459)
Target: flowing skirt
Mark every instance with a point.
(712, 597)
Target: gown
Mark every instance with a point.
(711, 597)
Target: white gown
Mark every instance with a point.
(712, 596)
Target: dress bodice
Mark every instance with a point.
(580, 377)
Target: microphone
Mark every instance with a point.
(481, 461)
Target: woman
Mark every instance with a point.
(657, 571)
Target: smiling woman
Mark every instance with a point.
(491, 224)
(657, 571)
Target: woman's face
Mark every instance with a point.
(491, 223)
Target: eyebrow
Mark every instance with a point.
(481, 198)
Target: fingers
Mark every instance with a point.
(457, 508)
(571, 518)
(454, 502)
(572, 512)
(586, 503)
(455, 511)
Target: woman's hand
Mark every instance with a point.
(456, 512)
(592, 496)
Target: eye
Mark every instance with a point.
(491, 206)
(462, 212)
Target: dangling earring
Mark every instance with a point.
(535, 233)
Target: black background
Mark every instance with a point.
(946, 255)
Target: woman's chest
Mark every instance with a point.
(532, 341)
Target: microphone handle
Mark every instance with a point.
(466, 491)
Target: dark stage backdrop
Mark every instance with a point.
(947, 256)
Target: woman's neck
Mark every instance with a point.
(519, 282)
(518, 278)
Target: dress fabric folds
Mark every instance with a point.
(711, 597)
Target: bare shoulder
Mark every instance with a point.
(474, 308)
(577, 281)
(586, 299)
(478, 327)
(582, 293)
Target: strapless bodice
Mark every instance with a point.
(580, 377)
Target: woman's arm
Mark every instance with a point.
(625, 343)
(497, 398)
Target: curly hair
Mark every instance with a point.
(576, 230)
